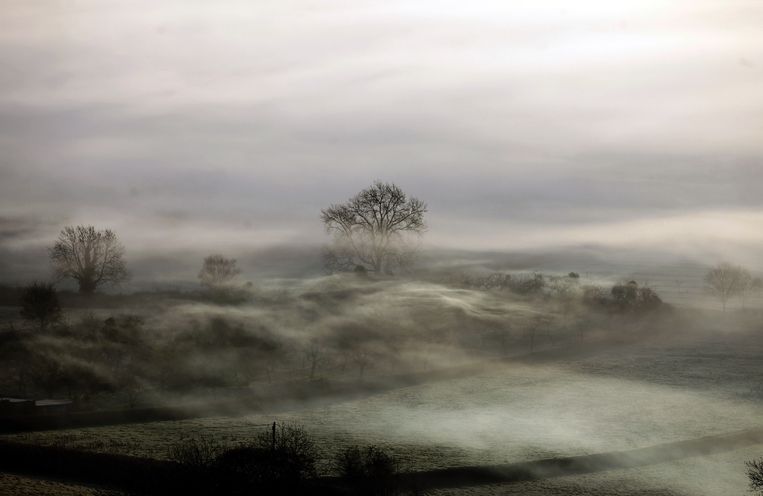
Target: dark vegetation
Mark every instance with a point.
(369, 470)
(168, 345)
(280, 460)
(755, 474)
(91, 257)
(375, 230)
(39, 303)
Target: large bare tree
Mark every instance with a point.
(90, 256)
(218, 271)
(727, 281)
(375, 228)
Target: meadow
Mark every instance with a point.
(607, 399)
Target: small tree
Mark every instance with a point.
(726, 281)
(218, 271)
(369, 470)
(39, 302)
(89, 256)
(372, 229)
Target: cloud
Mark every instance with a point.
(186, 120)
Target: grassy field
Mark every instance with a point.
(630, 397)
(27, 486)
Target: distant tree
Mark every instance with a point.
(755, 474)
(218, 271)
(528, 285)
(726, 281)
(313, 354)
(89, 256)
(632, 297)
(39, 302)
(373, 228)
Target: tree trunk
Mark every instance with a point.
(86, 286)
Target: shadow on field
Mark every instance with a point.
(149, 476)
(556, 467)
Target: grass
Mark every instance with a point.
(512, 413)
(18, 485)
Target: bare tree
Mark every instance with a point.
(313, 354)
(373, 229)
(89, 256)
(218, 271)
(39, 302)
(727, 281)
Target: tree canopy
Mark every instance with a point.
(39, 302)
(726, 281)
(218, 271)
(374, 229)
(90, 256)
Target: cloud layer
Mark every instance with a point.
(520, 123)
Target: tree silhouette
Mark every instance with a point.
(726, 281)
(39, 302)
(218, 271)
(371, 229)
(89, 256)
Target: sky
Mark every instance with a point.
(523, 124)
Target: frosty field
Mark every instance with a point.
(630, 397)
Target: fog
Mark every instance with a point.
(522, 126)
(494, 247)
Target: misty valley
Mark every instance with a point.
(440, 377)
(381, 248)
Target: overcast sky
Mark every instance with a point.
(521, 123)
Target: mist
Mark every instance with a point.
(289, 247)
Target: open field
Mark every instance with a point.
(27, 486)
(630, 397)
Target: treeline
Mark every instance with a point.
(618, 298)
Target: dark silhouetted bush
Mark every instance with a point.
(369, 470)
(755, 474)
(278, 461)
(39, 302)
(196, 452)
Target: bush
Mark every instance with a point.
(632, 297)
(755, 474)
(290, 443)
(39, 302)
(623, 298)
(197, 452)
(276, 462)
(369, 471)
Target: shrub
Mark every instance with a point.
(755, 474)
(196, 452)
(39, 302)
(279, 461)
(369, 471)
